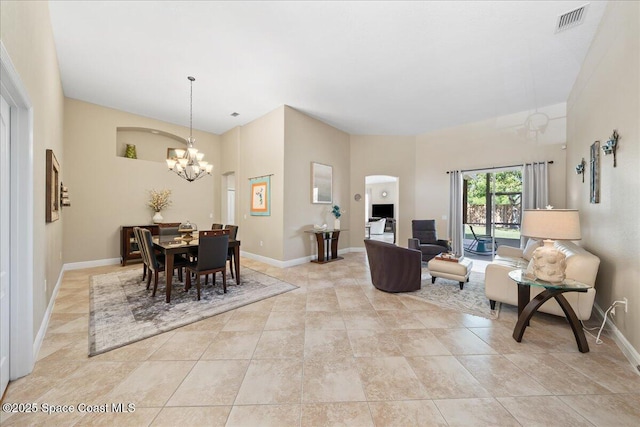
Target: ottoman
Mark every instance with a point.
(459, 271)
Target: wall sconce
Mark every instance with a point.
(64, 196)
(580, 168)
(611, 145)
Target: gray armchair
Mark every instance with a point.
(425, 239)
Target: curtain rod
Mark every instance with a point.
(262, 176)
(499, 167)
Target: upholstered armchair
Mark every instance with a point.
(393, 268)
(377, 227)
(425, 239)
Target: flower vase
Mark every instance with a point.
(157, 218)
(336, 224)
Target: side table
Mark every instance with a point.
(327, 241)
(526, 308)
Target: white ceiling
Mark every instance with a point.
(388, 68)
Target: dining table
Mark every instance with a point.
(171, 246)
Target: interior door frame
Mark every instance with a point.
(21, 340)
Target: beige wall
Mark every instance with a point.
(309, 140)
(25, 31)
(476, 145)
(229, 152)
(261, 143)
(383, 155)
(108, 191)
(606, 96)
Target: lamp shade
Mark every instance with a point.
(552, 224)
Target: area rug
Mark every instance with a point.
(446, 293)
(123, 311)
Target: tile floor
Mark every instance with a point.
(334, 352)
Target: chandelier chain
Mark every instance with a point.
(191, 79)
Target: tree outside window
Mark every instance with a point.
(504, 211)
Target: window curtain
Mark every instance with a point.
(456, 227)
(535, 188)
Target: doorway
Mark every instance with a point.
(230, 186)
(5, 242)
(17, 193)
(382, 206)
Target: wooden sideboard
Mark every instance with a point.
(129, 247)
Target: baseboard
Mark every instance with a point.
(37, 343)
(90, 264)
(358, 249)
(288, 263)
(625, 346)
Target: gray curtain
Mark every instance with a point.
(535, 187)
(456, 227)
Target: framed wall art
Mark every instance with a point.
(52, 180)
(260, 196)
(594, 172)
(321, 183)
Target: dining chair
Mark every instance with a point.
(233, 233)
(168, 231)
(155, 264)
(138, 237)
(215, 226)
(213, 248)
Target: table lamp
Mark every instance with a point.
(548, 263)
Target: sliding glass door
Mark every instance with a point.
(492, 209)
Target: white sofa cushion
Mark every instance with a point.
(532, 245)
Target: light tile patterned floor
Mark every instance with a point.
(334, 352)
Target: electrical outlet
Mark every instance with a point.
(260, 242)
(613, 311)
(45, 285)
(626, 304)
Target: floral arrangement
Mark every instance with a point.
(336, 211)
(159, 200)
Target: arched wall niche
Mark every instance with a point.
(151, 144)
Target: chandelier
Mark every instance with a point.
(189, 163)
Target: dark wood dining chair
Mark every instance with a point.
(233, 233)
(215, 226)
(155, 264)
(168, 232)
(213, 248)
(138, 237)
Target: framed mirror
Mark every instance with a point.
(321, 183)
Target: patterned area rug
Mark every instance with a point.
(447, 293)
(123, 311)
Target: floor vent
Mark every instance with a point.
(572, 18)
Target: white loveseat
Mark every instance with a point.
(581, 266)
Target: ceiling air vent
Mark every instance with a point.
(572, 18)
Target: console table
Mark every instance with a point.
(526, 308)
(327, 245)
